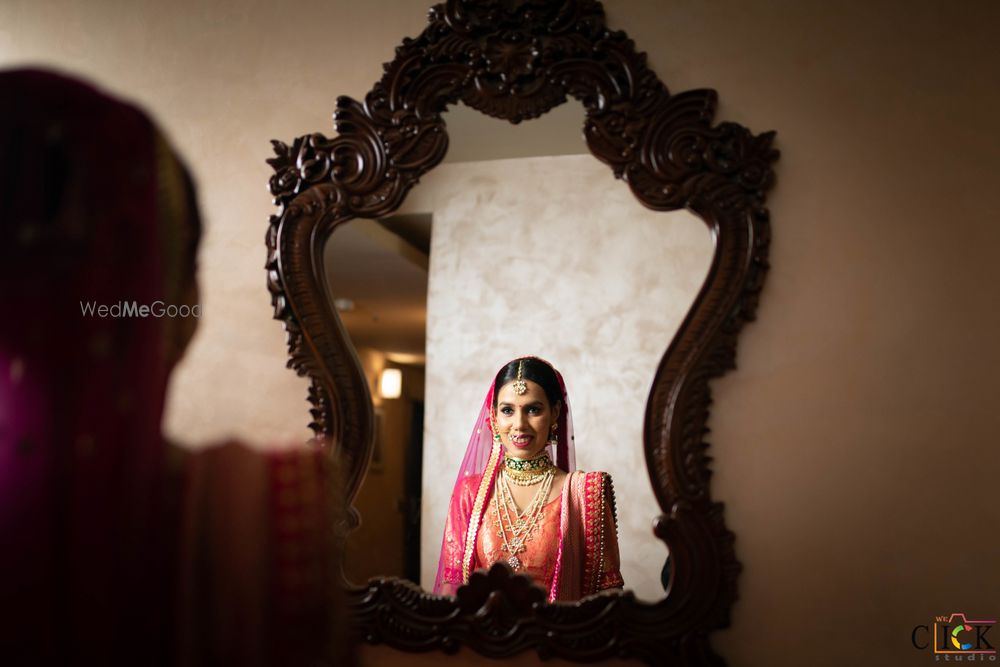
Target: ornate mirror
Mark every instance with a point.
(516, 61)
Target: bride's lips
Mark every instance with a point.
(522, 441)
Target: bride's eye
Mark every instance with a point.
(507, 411)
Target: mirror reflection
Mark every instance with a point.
(520, 244)
(519, 498)
(377, 271)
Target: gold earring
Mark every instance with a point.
(493, 428)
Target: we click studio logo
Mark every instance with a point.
(956, 638)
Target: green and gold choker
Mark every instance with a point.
(528, 472)
(540, 463)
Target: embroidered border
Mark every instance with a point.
(593, 530)
(609, 579)
(477, 511)
(599, 520)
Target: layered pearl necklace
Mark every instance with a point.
(520, 526)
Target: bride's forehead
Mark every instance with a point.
(507, 394)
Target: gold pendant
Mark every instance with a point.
(514, 562)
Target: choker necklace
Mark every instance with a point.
(540, 463)
(524, 478)
(527, 472)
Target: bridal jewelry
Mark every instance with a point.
(520, 525)
(541, 462)
(527, 472)
(520, 388)
(524, 478)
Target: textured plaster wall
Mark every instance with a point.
(553, 257)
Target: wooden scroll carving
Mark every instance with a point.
(516, 60)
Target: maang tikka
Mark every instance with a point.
(519, 386)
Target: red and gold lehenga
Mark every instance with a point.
(573, 551)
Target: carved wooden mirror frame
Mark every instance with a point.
(516, 60)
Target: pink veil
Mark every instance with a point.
(463, 516)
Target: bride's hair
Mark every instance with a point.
(535, 370)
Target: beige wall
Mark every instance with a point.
(552, 256)
(856, 446)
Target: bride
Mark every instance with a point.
(519, 500)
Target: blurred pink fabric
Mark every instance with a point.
(117, 547)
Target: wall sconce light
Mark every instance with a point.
(391, 383)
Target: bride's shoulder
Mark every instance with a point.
(594, 473)
(592, 477)
(595, 488)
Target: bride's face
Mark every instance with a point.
(524, 420)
